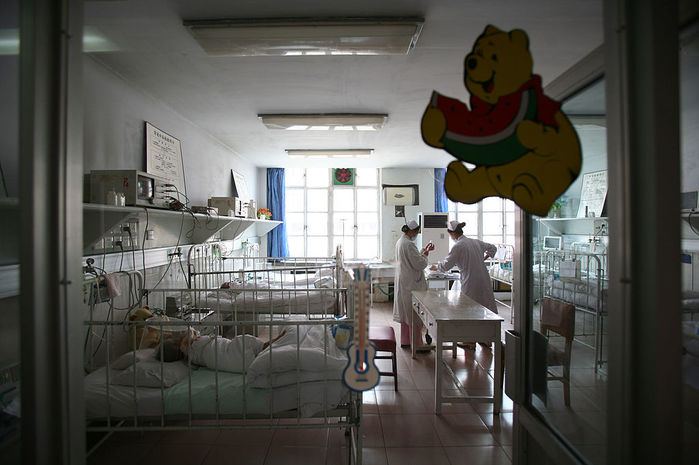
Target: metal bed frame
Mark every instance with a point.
(345, 415)
(589, 285)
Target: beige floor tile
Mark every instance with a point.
(370, 456)
(176, 454)
(400, 403)
(488, 455)
(195, 436)
(295, 455)
(500, 426)
(252, 437)
(236, 455)
(416, 456)
(369, 402)
(447, 408)
(409, 431)
(307, 437)
(119, 454)
(464, 429)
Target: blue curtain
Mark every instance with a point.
(277, 245)
(440, 197)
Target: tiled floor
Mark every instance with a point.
(398, 428)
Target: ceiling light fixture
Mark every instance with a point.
(329, 153)
(306, 36)
(324, 121)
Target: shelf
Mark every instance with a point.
(106, 223)
(578, 226)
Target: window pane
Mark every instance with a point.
(367, 200)
(367, 223)
(492, 239)
(492, 223)
(510, 240)
(317, 223)
(343, 224)
(317, 200)
(317, 246)
(293, 177)
(347, 244)
(467, 207)
(317, 177)
(367, 247)
(294, 223)
(295, 246)
(471, 220)
(510, 223)
(509, 205)
(492, 204)
(294, 200)
(366, 177)
(343, 200)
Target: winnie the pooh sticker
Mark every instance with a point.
(522, 144)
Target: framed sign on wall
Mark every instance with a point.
(164, 159)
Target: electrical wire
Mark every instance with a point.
(169, 263)
(143, 248)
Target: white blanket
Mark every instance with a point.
(304, 353)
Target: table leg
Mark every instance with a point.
(412, 321)
(497, 389)
(438, 375)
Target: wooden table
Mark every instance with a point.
(451, 316)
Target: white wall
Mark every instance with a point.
(115, 112)
(390, 225)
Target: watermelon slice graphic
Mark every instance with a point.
(486, 134)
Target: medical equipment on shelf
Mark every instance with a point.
(553, 243)
(434, 229)
(229, 206)
(137, 188)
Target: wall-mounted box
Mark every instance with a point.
(401, 195)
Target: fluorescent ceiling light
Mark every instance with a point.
(306, 36)
(324, 121)
(93, 41)
(329, 153)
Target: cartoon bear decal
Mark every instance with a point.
(522, 144)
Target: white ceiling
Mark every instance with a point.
(223, 95)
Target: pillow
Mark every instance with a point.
(326, 282)
(129, 358)
(148, 374)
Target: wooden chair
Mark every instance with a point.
(384, 338)
(559, 317)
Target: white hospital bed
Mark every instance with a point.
(297, 377)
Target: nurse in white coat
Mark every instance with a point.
(468, 256)
(410, 276)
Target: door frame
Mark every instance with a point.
(640, 53)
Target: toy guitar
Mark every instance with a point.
(361, 373)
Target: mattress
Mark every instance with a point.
(234, 397)
(272, 301)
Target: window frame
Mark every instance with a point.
(331, 236)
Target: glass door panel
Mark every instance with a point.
(569, 282)
(689, 159)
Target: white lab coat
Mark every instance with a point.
(467, 256)
(410, 276)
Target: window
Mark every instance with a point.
(490, 220)
(320, 215)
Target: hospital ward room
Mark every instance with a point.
(316, 233)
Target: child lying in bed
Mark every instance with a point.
(234, 355)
